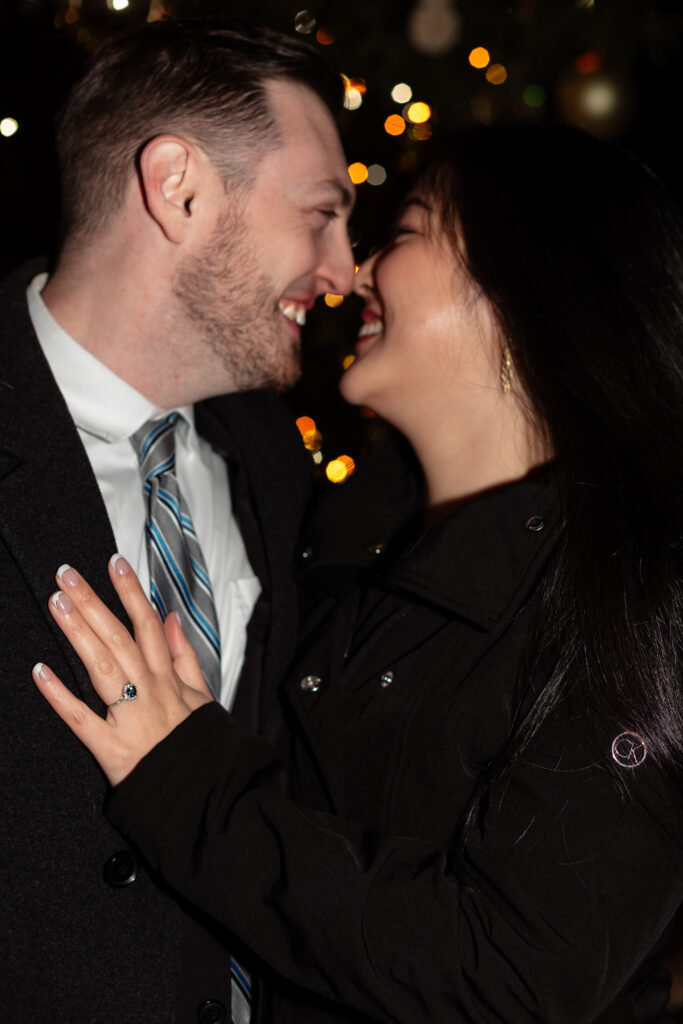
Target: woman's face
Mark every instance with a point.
(429, 342)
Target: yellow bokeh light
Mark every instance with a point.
(8, 126)
(313, 440)
(333, 300)
(347, 360)
(306, 424)
(401, 93)
(71, 16)
(418, 113)
(340, 469)
(394, 125)
(358, 173)
(479, 57)
(496, 74)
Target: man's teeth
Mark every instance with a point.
(293, 311)
(374, 327)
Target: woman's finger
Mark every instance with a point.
(102, 660)
(88, 727)
(119, 745)
(147, 626)
(185, 661)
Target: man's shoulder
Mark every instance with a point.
(14, 317)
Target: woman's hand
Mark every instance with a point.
(160, 663)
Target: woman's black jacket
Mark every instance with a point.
(552, 903)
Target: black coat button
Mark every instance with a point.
(121, 869)
(212, 1011)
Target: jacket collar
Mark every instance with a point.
(486, 556)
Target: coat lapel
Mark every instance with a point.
(51, 510)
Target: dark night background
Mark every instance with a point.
(611, 65)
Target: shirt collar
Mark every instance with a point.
(481, 561)
(101, 403)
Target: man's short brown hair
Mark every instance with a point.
(204, 80)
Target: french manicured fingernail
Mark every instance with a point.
(62, 603)
(42, 672)
(68, 575)
(119, 565)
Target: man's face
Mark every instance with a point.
(248, 289)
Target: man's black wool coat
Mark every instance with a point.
(86, 934)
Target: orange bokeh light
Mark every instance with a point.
(479, 57)
(306, 425)
(358, 173)
(394, 125)
(588, 62)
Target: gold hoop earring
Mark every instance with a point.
(506, 368)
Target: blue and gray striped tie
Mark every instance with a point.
(179, 581)
(177, 572)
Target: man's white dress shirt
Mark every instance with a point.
(107, 411)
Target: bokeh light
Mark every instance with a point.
(306, 425)
(352, 98)
(8, 127)
(304, 22)
(325, 36)
(347, 360)
(394, 125)
(600, 97)
(479, 57)
(588, 62)
(401, 93)
(376, 174)
(534, 95)
(333, 301)
(496, 74)
(418, 113)
(420, 132)
(358, 173)
(339, 470)
(313, 441)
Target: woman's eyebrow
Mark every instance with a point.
(414, 201)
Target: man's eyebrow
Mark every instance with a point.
(346, 197)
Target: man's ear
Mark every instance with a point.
(170, 171)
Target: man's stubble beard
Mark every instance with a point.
(234, 307)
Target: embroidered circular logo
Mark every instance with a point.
(629, 750)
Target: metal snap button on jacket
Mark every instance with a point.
(212, 1011)
(310, 684)
(535, 524)
(121, 869)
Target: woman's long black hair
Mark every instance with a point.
(580, 251)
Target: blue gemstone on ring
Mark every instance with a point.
(130, 691)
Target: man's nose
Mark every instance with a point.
(338, 268)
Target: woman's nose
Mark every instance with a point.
(364, 281)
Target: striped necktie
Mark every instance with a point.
(179, 580)
(178, 577)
